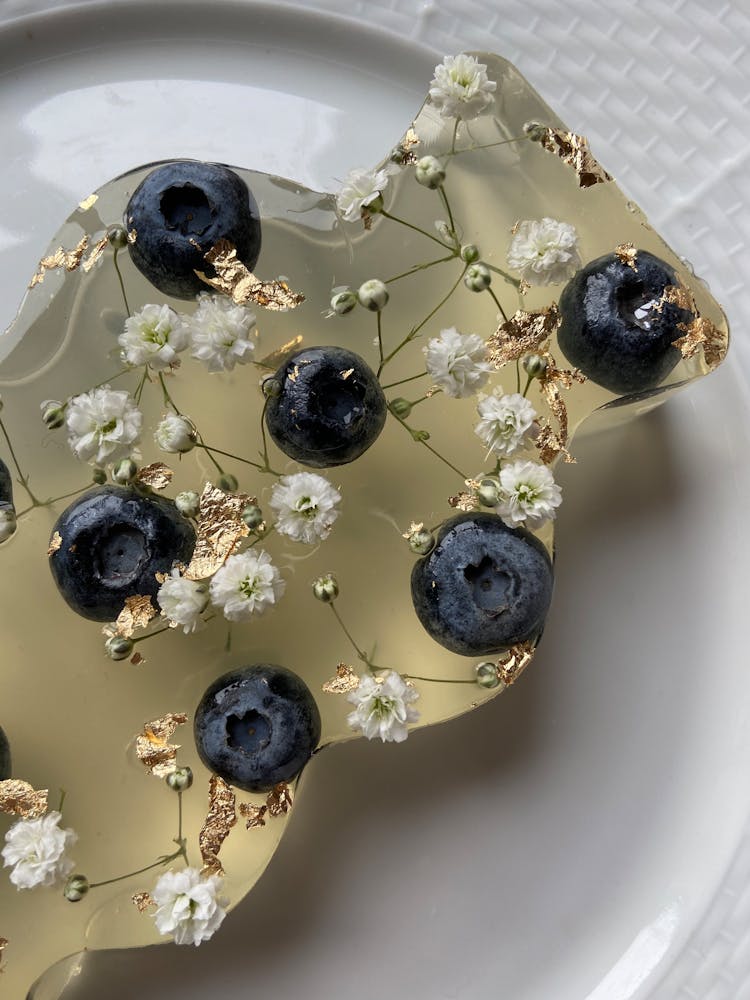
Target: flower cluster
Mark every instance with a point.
(506, 421)
(457, 362)
(247, 584)
(183, 601)
(361, 190)
(529, 494)
(190, 908)
(545, 252)
(460, 88)
(103, 425)
(154, 336)
(383, 707)
(305, 505)
(36, 850)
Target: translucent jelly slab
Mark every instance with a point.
(71, 713)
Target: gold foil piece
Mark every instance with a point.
(3, 946)
(279, 799)
(626, 253)
(278, 357)
(574, 150)
(87, 203)
(19, 798)
(68, 259)
(414, 527)
(222, 816)
(143, 900)
(346, 680)
(235, 280)
(513, 663)
(157, 475)
(523, 286)
(132, 235)
(136, 659)
(464, 501)
(137, 613)
(552, 443)
(680, 296)
(523, 332)
(404, 151)
(254, 816)
(152, 745)
(54, 543)
(703, 333)
(220, 527)
(95, 254)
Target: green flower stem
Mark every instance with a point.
(164, 860)
(380, 337)
(438, 680)
(417, 229)
(504, 274)
(228, 641)
(415, 402)
(402, 381)
(139, 390)
(453, 138)
(150, 635)
(421, 267)
(23, 480)
(360, 653)
(266, 461)
(180, 839)
(119, 278)
(60, 804)
(529, 380)
(415, 330)
(263, 537)
(485, 145)
(428, 446)
(48, 503)
(518, 376)
(228, 454)
(447, 207)
(168, 401)
(496, 300)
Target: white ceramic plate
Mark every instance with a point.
(584, 837)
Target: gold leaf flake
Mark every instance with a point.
(550, 442)
(512, 664)
(68, 259)
(254, 816)
(220, 527)
(413, 528)
(222, 816)
(404, 150)
(137, 613)
(157, 475)
(464, 501)
(95, 254)
(345, 374)
(626, 253)
(346, 680)
(143, 900)
(54, 543)
(278, 357)
(574, 150)
(523, 332)
(132, 235)
(367, 219)
(19, 798)
(678, 295)
(136, 659)
(3, 946)
(152, 745)
(279, 799)
(523, 286)
(701, 332)
(87, 203)
(235, 280)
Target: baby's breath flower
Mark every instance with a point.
(246, 585)
(457, 362)
(460, 88)
(506, 423)
(361, 190)
(544, 251)
(175, 433)
(103, 425)
(189, 907)
(222, 334)
(529, 494)
(383, 707)
(153, 336)
(36, 851)
(183, 601)
(305, 505)
(429, 172)
(373, 294)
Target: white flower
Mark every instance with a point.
(153, 336)
(528, 493)
(544, 251)
(246, 585)
(507, 422)
(36, 850)
(183, 601)
(383, 708)
(457, 362)
(360, 189)
(189, 907)
(103, 425)
(222, 333)
(175, 433)
(460, 88)
(305, 507)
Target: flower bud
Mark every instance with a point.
(535, 131)
(118, 647)
(487, 675)
(125, 471)
(188, 503)
(53, 413)
(343, 302)
(429, 172)
(374, 206)
(488, 491)
(228, 482)
(325, 588)
(180, 779)
(477, 277)
(373, 295)
(271, 387)
(118, 237)
(421, 541)
(400, 407)
(534, 365)
(175, 434)
(99, 475)
(469, 253)
(76, 888)
(252, 515)
(8, 523)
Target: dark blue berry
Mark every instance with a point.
(615, 325)
(484, 587)
(5, 765)
(113, 542)
(6, 484)
(329, 407)
(179, 212)
(257, 726)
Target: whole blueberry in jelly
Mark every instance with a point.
(179, 212)
(5, 765)
(616, 325)
(257, 726)
(484, 587)
(112, 542)
(328, 408)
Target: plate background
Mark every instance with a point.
(585, 836)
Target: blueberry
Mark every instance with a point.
(257, 726)
(6, 484)
(330, 407)
(113, 542)
(5, 765)
(179, 212)
(615, 325)
(484, 587)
